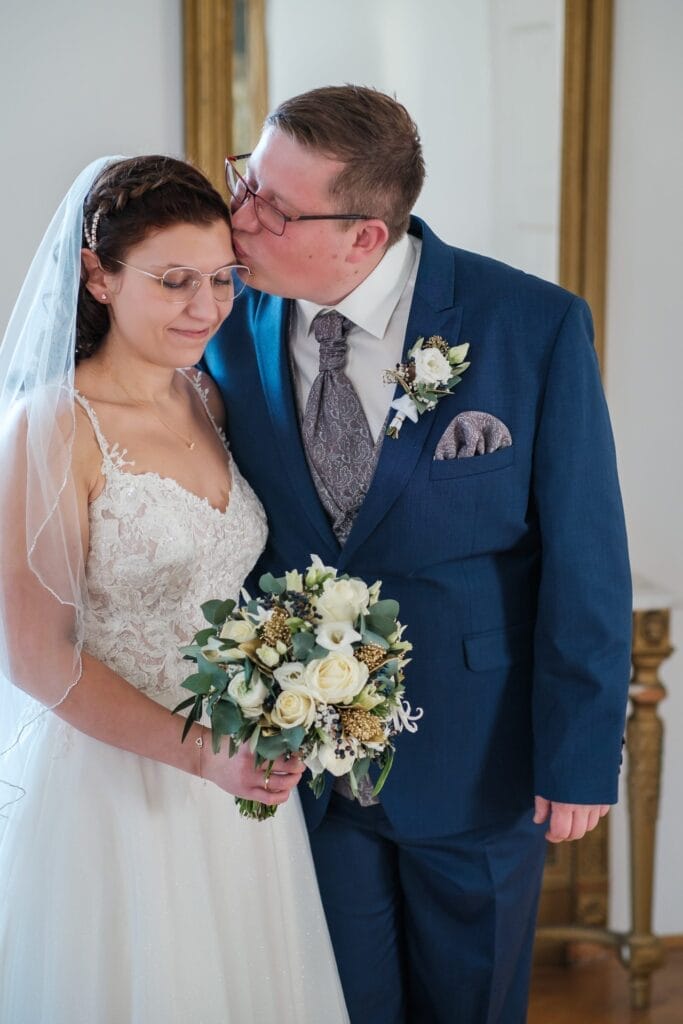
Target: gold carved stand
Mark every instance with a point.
(639, 949)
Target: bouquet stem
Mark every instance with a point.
(254, 809)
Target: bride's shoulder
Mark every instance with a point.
(210, 392)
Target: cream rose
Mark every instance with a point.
(250, 696)
(343, 600)
(290, 675)
(292, 708)
(431, 367)
(335, 679)
(238, 630)
(268, 656)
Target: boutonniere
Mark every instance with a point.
(430, 374)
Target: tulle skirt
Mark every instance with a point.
(132, 893)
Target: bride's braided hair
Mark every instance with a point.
(129, 199)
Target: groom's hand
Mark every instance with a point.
(568, 821)
(239, 776)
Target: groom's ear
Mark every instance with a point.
(93, 274)
(370, 237)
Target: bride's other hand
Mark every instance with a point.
(239, 776)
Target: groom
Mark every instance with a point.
(495, 520)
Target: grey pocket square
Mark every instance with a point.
(472, 433)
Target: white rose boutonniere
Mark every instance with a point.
(430, 374)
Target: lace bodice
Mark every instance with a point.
(157, 552)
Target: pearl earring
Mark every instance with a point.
(104, 296)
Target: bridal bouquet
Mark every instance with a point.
(314, 667)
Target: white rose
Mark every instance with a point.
(290, 675)
(268, 655)
(336, 636)
(335, 679)
(431, 367)
(250, 696)
(238, 630)
(343, 600)
(292, 708)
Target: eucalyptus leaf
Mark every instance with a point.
(387, 607)
(374, 638)
(216, 612)
(270, 585)
(302, 645)
(381, 624)
(294, 737)
(200, 683)
(204, 634)
(226, 718)
(271, 747)
(210, 668)
(316, 653)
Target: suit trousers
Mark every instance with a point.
(430, 931)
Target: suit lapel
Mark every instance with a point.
(432, 312)
(270, 341)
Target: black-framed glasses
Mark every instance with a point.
(181, 284)
(268, 216)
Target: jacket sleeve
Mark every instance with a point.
(582, 642)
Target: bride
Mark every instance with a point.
(130, 888)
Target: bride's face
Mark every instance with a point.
(144, 321)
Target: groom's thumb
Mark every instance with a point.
(542, 810)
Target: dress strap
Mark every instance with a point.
(195, 380)
(113, 456)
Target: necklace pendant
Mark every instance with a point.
(191, 446)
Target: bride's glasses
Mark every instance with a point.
(181, 284)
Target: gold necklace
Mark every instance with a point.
(187, 441)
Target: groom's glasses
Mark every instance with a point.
(268, 216)
(181, 284)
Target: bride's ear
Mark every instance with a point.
(93, 275)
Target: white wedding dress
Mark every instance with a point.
(130, 892)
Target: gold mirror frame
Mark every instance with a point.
(208, 67)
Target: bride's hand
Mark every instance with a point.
(237, 775)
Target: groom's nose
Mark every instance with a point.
(244, 218)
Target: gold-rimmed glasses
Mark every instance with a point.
(181, 284)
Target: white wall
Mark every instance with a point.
(77, 81)
(645, 367)
(437, 58)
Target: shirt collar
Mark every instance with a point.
(370, 306)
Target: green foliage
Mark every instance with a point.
(270, 585)
(216, 612)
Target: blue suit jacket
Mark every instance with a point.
(510, 568)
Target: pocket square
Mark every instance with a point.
(472, 433)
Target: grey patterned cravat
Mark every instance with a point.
(339, 446)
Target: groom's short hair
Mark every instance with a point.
(373, 135)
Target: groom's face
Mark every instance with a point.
(312, 259)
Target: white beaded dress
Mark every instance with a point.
(131, 892)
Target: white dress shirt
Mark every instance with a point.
(379, 309)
